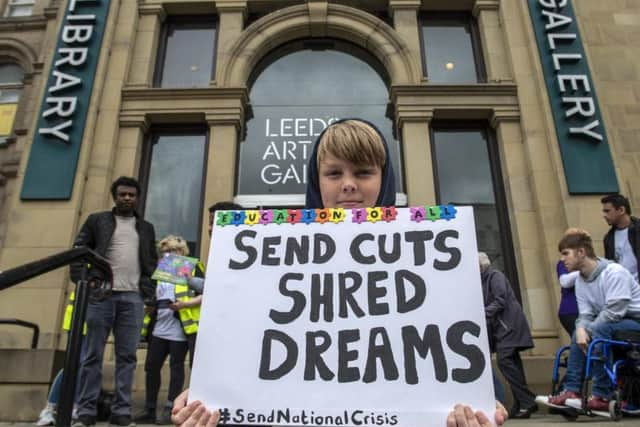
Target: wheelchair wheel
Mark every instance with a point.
(615, 410)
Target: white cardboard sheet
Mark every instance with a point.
(378, 355)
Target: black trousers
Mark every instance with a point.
(510, 365)
(191, 339)
(157, 353)
(568, 322)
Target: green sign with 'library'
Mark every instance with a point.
(53, 159)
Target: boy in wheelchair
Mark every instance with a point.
(609, 305)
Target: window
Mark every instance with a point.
(16, 8)
(174, 166)
(297, 91)
(451, 49)
(188, 55)
(467, 172)
(11, 76)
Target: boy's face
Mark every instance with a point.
(572, 258)
(345, 185)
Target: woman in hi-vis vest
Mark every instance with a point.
(170, 327)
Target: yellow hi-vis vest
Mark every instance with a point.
(145, 325)
(68, 315)
(189, 316)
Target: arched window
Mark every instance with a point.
(11, 76)
(296, 91)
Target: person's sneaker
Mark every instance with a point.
(524, 413)
(84, 421)
(597, 403)
(147, 416)
(47, 416)
(165, 417)
(121, 421)
(560, 400)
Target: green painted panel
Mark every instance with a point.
(580, 130)
(54, 153)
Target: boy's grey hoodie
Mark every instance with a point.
(609, 294)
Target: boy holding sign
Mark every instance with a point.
(349, 168)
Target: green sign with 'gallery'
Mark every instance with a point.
(56, 143)
(586, 157)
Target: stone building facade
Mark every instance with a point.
(209, 100)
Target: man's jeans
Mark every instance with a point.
(602, 386)
(122, 312)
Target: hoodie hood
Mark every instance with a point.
(387, 195)
(602, 264)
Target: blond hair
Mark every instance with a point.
(354, 141)
(171, 243)
(576, 238)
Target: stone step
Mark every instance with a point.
(108, 372)
(26, 375)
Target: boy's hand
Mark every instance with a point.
(582, 339)
(464, 416)
(501, 414)
(193, 414)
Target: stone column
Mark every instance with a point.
(496, 56)
(416, 149)
(540, 297)
(232, 14)
(143, 62)
(406, 24)
(102, 129)
(221, 169)
(131, 136)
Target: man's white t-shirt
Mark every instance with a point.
(624, 252)
(123, 254)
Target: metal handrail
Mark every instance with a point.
(35, 328)
(12, 277)
(89, 259)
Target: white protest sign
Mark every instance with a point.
(363, 317)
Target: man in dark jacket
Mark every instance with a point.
(128, 243)
(509, 334)
(622, 241)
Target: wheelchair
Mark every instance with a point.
(621, 358)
